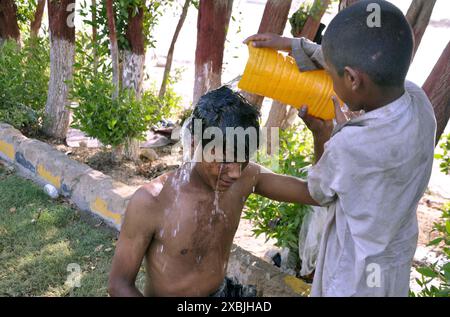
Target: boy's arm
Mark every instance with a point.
(292, 189)
(308, 55)
(321, 129)
(270, 40)
(135, 237)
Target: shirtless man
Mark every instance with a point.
(183, 223)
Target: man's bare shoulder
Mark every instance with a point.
(155, 187)
(144, 202)
(254, 169)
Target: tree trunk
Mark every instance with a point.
(212, 24)
(437, 88)
(162, 90)
(280, 115)
(37, 21)
(113, 47)
(9, 29)
(418, 16)
(94, 35)
(273, 21)
(62, 52)
(133, 69)
(345, 3)
(312, 24)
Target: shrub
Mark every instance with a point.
(445, 156)
(24, 75)
(98, 115)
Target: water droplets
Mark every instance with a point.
(216, 209)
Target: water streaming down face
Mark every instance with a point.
(217, 209)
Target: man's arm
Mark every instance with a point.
(282, 187)
(288, 188)
(135, 237)
(292, 189)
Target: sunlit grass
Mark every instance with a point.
(39, 238)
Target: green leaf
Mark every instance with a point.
(435, 241)
(427, 271)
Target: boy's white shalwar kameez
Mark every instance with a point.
(372, 174)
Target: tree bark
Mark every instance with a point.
(346, 3)
(9, 28)
(94, 34)
(37, 21)
(418, 16)
(280, 115)
(212, 24)
(133, 69)
(437, 88)
(273, 21)
(62, 52)
(113, 46)
(312, 24)
(162, 90)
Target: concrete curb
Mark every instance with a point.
(89, 189)
(100, 195)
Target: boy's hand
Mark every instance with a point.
(270, 40)
(320, 128)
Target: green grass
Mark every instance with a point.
(39, 238)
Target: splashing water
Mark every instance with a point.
(217, 209)
(198, 259)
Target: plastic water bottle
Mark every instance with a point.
(51, 190)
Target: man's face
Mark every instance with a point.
(221, 176)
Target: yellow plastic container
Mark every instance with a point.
(271, 74)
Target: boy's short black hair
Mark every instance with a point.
(384, 53)
(224, 108)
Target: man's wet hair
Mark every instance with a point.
(384, 53)
(225, 108)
